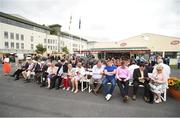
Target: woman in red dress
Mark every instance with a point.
(6, 66)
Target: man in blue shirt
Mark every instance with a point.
(109, 71)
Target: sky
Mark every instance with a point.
(102, 20)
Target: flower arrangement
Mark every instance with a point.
(174, 82)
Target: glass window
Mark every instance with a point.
(6, 44)
(22, 37)
(32, 38)
(48, 40)
(171, 54)
(12, 45)
(17, 45)
(32, 46)
(22, 45)
(45, 40)
(12, 35)
(6, 35)
(17, 36)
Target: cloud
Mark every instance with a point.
(102, 19)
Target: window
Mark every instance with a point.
(6, 35)
(17, 45)
(22, 45)
(17, 36)
(48, 40)
(32, 38)
(6, 44)
(45, 40)
(12, 45)
(12, 35)
(171, 54)
(32, 46)
(22, 37)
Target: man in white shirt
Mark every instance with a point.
(97, 75)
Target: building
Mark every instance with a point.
(20, 35)
(143, 44)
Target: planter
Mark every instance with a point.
(175, 93)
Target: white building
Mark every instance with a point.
(19, 35)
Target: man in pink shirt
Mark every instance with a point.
(123, 75)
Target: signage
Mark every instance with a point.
(123, 44)
(175, 42)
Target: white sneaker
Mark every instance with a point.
(72, 90)
(64, 88)
(108, 97)
(68, 89)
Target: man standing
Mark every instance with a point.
(109, 72)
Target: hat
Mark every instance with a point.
(42, 62)
(159, 67)
(28, 58)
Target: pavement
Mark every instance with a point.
(19, 99)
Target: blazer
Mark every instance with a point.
(37, 68)
(65, 68)
(137, 74)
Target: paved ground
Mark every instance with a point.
(20, 99)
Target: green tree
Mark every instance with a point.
(65, 50)
(40, 49)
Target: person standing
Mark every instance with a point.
(109, 71)
(6, 66)
(123, 76)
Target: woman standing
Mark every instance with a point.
(6, 66)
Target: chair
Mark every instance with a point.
(86, 80)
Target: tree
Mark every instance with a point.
(40, 49)
(65, 50)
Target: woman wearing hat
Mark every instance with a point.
(158, 83)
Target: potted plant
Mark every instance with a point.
(174, 87)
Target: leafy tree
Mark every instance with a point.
(65, 50)
(40, 49)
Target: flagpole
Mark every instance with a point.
(80, 33)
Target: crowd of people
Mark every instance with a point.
(67, 73)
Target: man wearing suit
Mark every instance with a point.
(37, 70)
(56, 80)
(140, 76)
(44, 73)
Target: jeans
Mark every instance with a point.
(105, 82)
(123, 87)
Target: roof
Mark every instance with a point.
(25, 21)
(74, 36)
(118, 49)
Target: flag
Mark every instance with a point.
(70, 21)
(80, 23)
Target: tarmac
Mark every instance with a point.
(19, 99)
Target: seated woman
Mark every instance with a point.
(67, 77)
(158, 83)
(52, 70)
(79, 73)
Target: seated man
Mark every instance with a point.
(26, 74)
(97, 75)
(37, 71)
(57, 79)
(140, 76)
(109, 71)
(20, 69)
(44, 73)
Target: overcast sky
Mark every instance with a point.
(102, 20)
